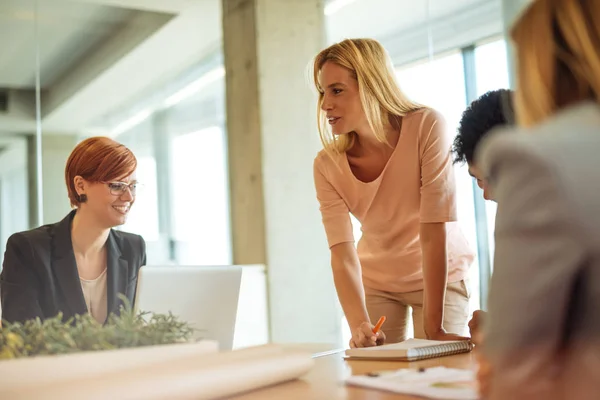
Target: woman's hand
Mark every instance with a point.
(363, 336)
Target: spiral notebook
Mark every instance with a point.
(410, 350)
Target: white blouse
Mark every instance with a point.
(95, 295)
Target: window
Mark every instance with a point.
(491, 65)
(437, 83)
(200, 198)
(143, 215)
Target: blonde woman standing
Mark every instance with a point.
(386, 160)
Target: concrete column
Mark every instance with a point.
(32, 179)
(272, 141)
(511, 9)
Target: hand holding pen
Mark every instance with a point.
(367, 335)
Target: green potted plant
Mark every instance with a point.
(83, 333)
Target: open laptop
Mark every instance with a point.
(204, 296)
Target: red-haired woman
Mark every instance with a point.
(79, 264)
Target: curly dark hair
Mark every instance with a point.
(492, 109)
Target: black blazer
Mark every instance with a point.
(39, 274)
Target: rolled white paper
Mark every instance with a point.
(49, 369)
(199, 377)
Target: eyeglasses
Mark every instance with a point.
(118, 188)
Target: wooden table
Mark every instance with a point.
(326, 379)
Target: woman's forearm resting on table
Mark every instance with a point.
(435, 271)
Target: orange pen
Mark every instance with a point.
(378, 325)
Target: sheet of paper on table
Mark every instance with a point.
(433, 383)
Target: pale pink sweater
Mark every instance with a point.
(416, 186)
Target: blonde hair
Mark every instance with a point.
(380, 96)
(558, 57)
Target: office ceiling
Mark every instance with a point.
(98, 57)
(65, 34)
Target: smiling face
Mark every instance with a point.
(109, 202)
(341, 100)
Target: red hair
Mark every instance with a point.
(98, 159)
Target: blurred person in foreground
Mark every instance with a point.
(542, 337)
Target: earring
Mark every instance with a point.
(82, 198)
